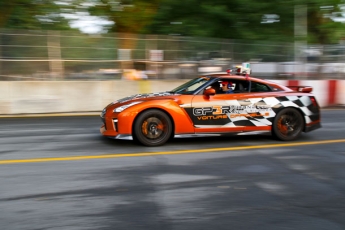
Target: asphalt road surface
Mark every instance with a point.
(59, 173)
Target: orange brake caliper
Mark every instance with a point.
(144, 128)
(281, 127)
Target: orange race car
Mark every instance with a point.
(213, 104)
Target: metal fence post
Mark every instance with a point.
(54, 55)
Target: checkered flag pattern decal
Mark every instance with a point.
(275, 103)
(259, 111)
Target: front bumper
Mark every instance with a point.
(108, 133)
(114, 135)
(109, 127)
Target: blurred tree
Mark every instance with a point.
(209, 18)
(247, 19)
(322, 29)
(235, 19)
(129, 16)
(32, 14)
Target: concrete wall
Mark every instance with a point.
(32, 97)
(22, 97)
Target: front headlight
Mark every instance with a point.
(123, 107)
(103, 112)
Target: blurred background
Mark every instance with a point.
(50, 40)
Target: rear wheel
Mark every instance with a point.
(288, 124)
(152, 128)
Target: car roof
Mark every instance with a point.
(237, 77)
(225, 75)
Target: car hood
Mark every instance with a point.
(144, 97)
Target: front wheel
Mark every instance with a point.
(152, 128)
(288, 124)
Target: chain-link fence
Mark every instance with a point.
(62, 55)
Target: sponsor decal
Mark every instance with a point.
(233, 111)
(249, 115)
(200, 118)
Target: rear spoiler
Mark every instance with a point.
(303, 89)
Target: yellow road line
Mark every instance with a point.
(121, 155)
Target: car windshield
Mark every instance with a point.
(191, 86)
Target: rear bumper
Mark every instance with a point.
(312, 127)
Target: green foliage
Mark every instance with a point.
(131, 16)
(218, 18)
(245, 19)
(31, 14)
(235, 19)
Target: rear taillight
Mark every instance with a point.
(313, 101)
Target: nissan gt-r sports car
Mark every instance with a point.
(199, 106)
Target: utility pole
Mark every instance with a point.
(54, 54)
(301, 32)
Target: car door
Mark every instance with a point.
(220, 113)
(261, 99)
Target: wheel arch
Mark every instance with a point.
(296, 108)
(155, 108)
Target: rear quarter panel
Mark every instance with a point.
(300, 101)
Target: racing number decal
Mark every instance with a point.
(218, 110)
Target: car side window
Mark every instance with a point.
(241, 86)
(259, 87)
(237, 86)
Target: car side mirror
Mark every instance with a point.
(209, 92)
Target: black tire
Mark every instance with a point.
(152, 128)
(288, 124)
